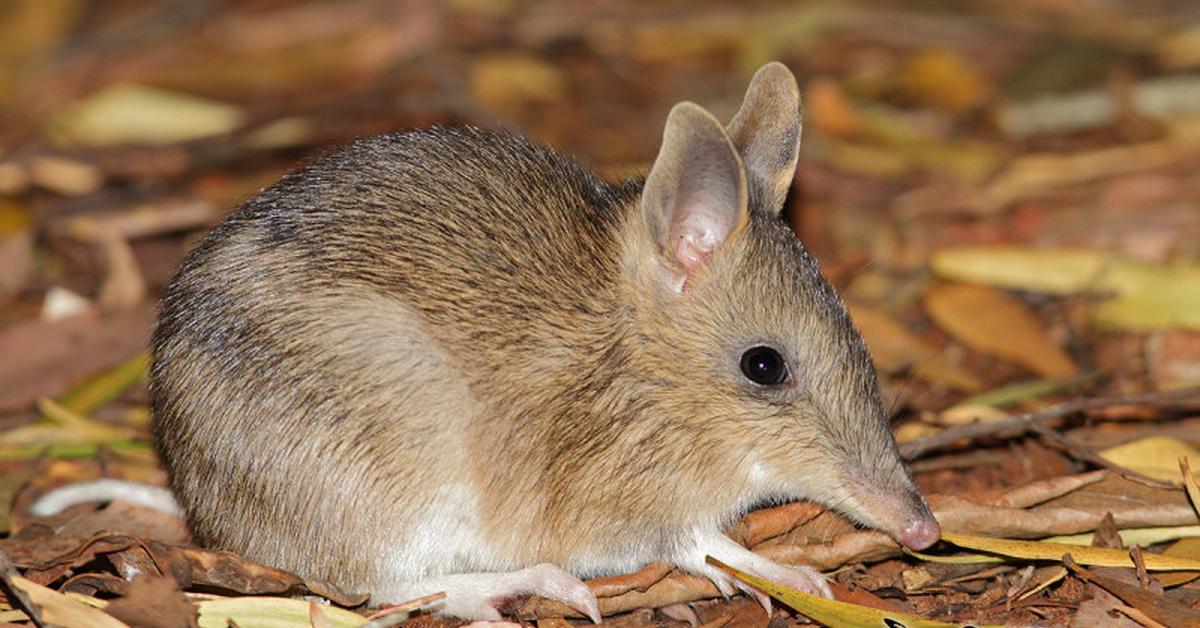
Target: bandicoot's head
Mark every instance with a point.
(749, 342)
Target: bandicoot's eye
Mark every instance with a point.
(763, 365)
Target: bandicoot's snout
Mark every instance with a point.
(921, 532)
(893, 505)
(913, 524)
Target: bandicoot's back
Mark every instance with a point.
(301, 340)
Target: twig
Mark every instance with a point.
(1085, 454)
(394, 615)
(17, 597)
(1018, 424)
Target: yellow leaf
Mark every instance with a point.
(507, 82)
(64, 427)
(967, 414)
(270, 612)
(14, 217)
(1043, 550)
(1184, 548)
(959, 559)
(135, 114)
(1052, 577)
(106, 386)
(65, 176)
(1155, 456)
(945, 79)
(1151, 296)
(831, 612)
(1146, 296)
(1051, 271)
(912, 431)
(1016, 392)
(829, 108)
(1189, 482)
(1030, 175)
(993, 322)
(863, 159)
(1180, 49)
(32, 28)
(1133, 536)
(93, 430)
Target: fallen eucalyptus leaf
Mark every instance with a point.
(991, 321)
(136, 114)
(58, 609)
(270, 611)
(1155, 456)
(830, 612)
(1043, 550)
(1144, 296)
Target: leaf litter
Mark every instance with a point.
(1006, 196)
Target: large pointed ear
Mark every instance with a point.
(766, 132)
(695, 196)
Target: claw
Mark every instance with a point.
(726, 583)
(551, 582)
(801, 578)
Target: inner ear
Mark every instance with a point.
(695, 196)
(766, 131)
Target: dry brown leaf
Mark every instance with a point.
(945, 79)
(1183, 548)
(44, 359)
(861, 596)
(59, 610)
(829, 108)
(646, 577)
(46, 557)
(767, 523)
(1156, 606)
(1180, 49)
(740, 612)
(141, 115)
(16, 262)
(86, 521)
(1036, 493)
(65, 176)
(673, 589)
(1173, 358)
(228, 571)
(991, 321)
(894, 348)
(14, 178)
(553, 622)
(1101, 609)
(1031, 175)
(507, 82)
(153, 602)
(140, 221)
(123, 287)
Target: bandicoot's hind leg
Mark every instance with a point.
(478, 596)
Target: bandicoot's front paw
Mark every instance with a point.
(801, 578)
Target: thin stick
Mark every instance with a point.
(1018, 424)
(1082, 453)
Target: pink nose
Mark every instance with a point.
(920, 533)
